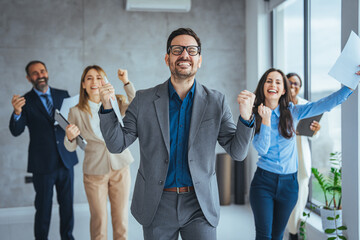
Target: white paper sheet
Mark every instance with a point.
(115, 106)
(67, 104)
(348, 63)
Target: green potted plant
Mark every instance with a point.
(302, 229)
(331, 213)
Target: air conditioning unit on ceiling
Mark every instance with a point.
(158, 5)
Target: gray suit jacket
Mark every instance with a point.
(147, 118)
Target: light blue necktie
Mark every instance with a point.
(49, 106)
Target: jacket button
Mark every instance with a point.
(166, 160)
(161, 182)
(57, 142)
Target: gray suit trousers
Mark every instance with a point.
(179, 213)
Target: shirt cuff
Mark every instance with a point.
(17, 117)
(105, 111)
(248, 123)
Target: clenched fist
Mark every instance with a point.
(106, 92)
(265, 114)
(246, 101)
(123, 75)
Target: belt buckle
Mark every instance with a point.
(178, 190)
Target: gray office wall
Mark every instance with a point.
(69, 35)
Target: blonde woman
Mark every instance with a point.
(105, 174)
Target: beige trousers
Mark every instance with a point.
(116, 185)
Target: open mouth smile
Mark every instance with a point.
(272, 91)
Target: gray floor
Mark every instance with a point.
(236, 222)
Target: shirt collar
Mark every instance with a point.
(277, 111)
(41, 93)
(172, 90)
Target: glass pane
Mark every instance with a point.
(289, 38)
(325, 48)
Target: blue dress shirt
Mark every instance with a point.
(278, 154)
(180, 112)
(43, 100)
(179, 119)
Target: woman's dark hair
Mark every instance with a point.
(286, 126)
(292, 74)
(182, 31)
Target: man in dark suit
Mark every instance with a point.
(178, 124)
(48, 160)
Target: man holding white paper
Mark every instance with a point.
(115, 105)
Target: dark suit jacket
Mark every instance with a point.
(147, 118)
(46, 140)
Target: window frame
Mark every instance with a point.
(307, 69)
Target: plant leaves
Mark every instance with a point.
(330, 183)
(342, 228)
(329, 230)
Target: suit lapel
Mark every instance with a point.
(162, 112)
(56, 100)
(198, 110)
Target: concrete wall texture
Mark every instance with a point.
(68, 35)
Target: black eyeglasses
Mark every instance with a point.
(177, 50)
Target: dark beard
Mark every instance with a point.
(180, 75)
(38, 86)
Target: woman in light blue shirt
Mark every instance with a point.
(274, 188)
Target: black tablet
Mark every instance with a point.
(303, 127)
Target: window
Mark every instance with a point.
(306, 35)
(288, 22)
(288, 49)
(325, 48)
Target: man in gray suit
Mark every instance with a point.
(178, 124)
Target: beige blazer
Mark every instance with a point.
(98, 160)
